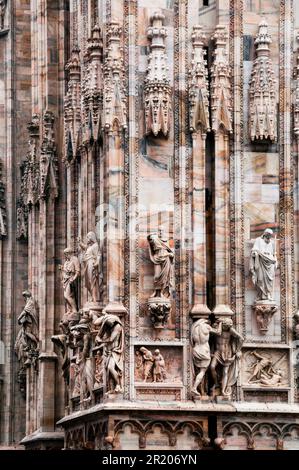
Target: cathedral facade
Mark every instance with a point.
(149, 239)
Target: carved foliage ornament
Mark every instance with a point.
(198, 84)
(115, 104)
(221, 108)
(262, 93)
(39, 178)
(157, 90)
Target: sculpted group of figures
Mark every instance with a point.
(222, 361)
(92, 339)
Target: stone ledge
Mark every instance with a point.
(187, 406)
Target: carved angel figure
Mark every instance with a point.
(162, 256)
(91, 262)
(263, 263)
(111, 338)
(27, 338)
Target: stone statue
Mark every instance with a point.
(263, 263)
(162, 256)
(91, 262)
(201, 355)
(147, 362)
(83, 363)
(70, 272)
(264, 372)
(110, 337)
(28, 337)
(226, 356)
(159, 373)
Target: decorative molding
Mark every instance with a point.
(114, 102)
(221, 104)
(157, 89)
(262, 92)
(3, 214)
(199, 116)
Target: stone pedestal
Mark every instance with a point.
(159, 309)
(264, 311)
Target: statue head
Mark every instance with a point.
(91, 238)
(68, 253)
(267, 235)
(227, 323)
(26, 294)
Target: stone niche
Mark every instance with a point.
(158, 372)
(265, 374)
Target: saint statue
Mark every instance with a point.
(147, 362)
(91, 262)
(70, 272)
(263, 263)
(110, 337)
(162, 256)
(27, 339)
(225, 365)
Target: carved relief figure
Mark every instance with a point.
(111, 338)
(264, 371)
(162, 256)
(159, 373)
(263, 262)
(201, 355)
(28, 337)
(147, 362)
(228, 343)
(70, 272)
(91, 262)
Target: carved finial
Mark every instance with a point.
(221, 108)
(198, 84)
(157, 91)
(263, 96)
(115, 102)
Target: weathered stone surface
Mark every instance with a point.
(152, 124)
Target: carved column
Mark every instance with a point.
(115, 125)
(199, 126)
(222, 127)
